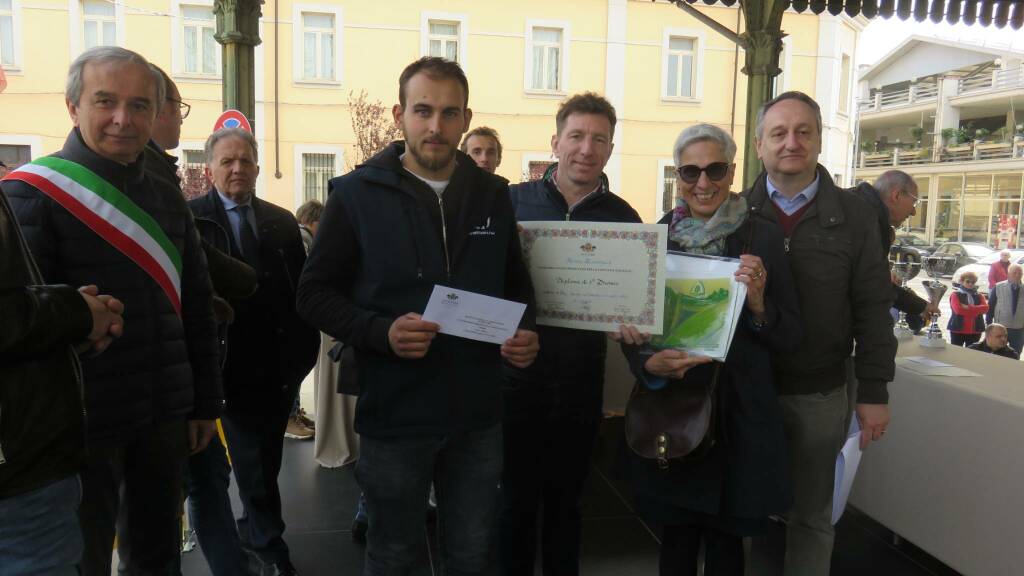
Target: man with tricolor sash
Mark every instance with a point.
(92, 214)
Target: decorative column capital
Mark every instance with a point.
(762, 52)
(238, 21)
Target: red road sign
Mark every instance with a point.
(232, 119)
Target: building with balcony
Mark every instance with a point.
(950, 114)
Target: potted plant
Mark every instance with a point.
(1001, 134)
(980, 134)
(948, 135)
(917, 132)
(962, 137)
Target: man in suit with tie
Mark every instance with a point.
(269, 349)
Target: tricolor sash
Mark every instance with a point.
(110, 214)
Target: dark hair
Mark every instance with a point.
(437, 69)
(791, 95)
(310, 212)
(170, 87)
(586, 103)
(485, 132)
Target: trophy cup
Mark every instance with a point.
(933, 338)
(905, 266)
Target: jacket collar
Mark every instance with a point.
(603, 188)
(118, 174)
(827, 205)
(386, 167)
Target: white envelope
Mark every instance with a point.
(474, 316)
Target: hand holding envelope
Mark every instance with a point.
(410, 336)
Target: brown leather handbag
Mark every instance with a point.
(676, 422)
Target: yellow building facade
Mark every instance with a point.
(661, 68)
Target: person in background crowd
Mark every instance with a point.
(553, 410)
(845, 292)
(207, 475)
(894, 199)
(998, 270)
(269, 348)
(419, 214)
(1006, 307)
(43, 445)
(155, 396)
(484, 147)
(968, 308)
(729, 492)
(995, 342)
(3, 169)
(301, 426)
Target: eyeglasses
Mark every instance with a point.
(916, 199)
(185, 108)
(691, 172)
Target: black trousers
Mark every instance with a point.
(963, 339)
(141, 476)
(680, 547)
(255, 434)
(547, 459)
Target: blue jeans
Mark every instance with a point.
(39, 532)
(209, 511)
(395, 474)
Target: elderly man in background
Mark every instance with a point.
(155, 396)
(999, 270)
(1006, 307)
(995, 342)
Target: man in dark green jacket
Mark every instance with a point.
(845, 293)
(42, 420)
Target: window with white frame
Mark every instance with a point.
(444, 39)
(844, 84)
(680, 68)
(99, 23)
(318, 46)
(7, 33)
(546, 46)
(200, 49)
(317, 170)
(14, 155)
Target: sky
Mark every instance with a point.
(881, 36)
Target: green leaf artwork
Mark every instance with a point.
(695, 314)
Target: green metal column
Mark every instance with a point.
(762, 43)
(238, 32)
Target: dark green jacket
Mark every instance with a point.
(845, 292)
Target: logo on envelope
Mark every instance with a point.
(452, 298)
(588, 248)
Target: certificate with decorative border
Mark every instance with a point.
(597, 275)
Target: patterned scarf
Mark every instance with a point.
(698, 236)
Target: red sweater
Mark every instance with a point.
(997, 273)
(970, 314)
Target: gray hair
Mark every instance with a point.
(704, 133)
(223, 133)
(993, 327)
(105, 55)
(892, 179)
(791, 95)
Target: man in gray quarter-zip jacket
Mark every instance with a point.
(417, 215)
(42, 424)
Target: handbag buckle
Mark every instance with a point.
(662, 452)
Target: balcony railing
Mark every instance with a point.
(916, 94)
(1006, 79)
(959, 153)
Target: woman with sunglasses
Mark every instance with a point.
(730, 491)
(968, 308)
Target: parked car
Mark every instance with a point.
(952, 255)
(982, 266)
(922, 246)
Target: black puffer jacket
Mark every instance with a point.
(842, 282)
(568, 377)
(164, 366)
(42, 427)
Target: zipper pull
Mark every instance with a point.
(419, 273)
(785, 244)
(567, 216)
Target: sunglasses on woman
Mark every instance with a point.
(691, 172)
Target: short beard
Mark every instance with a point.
(432, 164)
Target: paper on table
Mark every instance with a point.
(931, 367)
(474, 316)
(846, 469)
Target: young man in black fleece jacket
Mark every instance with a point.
(845, 292)
(421, 214)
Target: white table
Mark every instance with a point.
(949, 475)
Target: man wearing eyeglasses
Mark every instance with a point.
(166, 133)
(894, 199)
